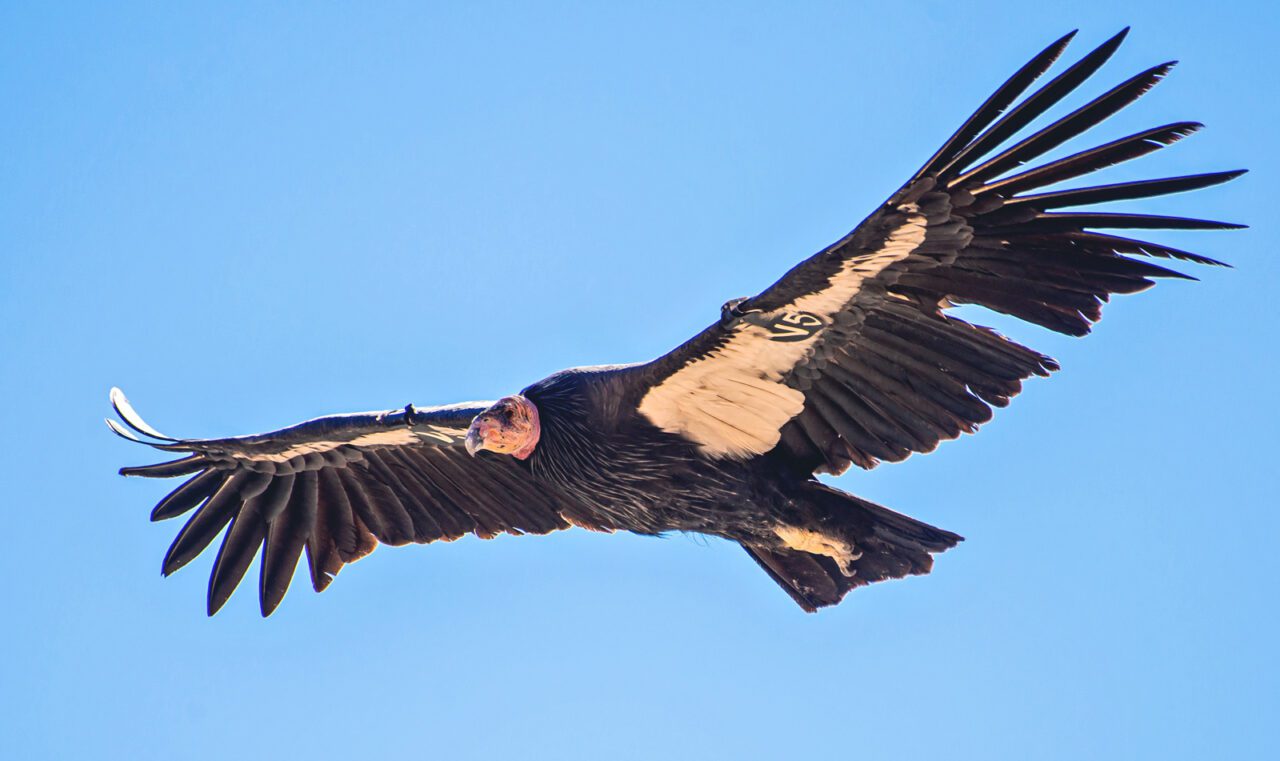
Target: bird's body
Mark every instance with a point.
(849, 359)
(627, 473)
(598, 450)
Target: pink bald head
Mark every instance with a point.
(510, 426)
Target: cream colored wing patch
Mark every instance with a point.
(389, 438)
(733, 402)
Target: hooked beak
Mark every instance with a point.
(509, 427)
(474, 442)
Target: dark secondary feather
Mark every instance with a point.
(891, 373)
(333, 488)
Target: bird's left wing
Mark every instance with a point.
(335, 486)
(851, 358)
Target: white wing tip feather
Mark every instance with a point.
(131, 418)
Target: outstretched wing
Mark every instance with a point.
(336, 486)
(850, 357)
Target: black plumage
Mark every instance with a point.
(849, 359)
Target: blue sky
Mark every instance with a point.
(250, 217)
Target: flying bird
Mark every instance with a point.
(851, 358)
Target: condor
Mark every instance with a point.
(849, 359)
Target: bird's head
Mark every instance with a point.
(510, 426)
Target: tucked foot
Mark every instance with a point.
(817, 543)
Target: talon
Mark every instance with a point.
(845, 556)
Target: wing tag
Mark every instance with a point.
(787, 327)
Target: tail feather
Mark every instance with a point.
(892, 546)
(801, 575)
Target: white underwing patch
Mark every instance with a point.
(733, 402)
(389, 438)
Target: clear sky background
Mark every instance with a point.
(250, 217)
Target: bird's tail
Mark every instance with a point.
(881, 544)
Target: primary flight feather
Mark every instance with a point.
(849, 359)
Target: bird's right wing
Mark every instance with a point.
(336, 486)
(852, 358)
